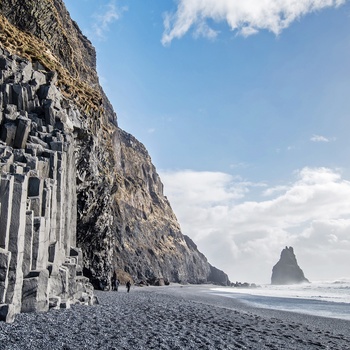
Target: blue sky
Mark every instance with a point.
(244, 108)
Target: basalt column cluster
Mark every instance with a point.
(40, 266)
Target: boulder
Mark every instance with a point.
(54, 302)
(7, 313)
(160, 282)
(287, 270)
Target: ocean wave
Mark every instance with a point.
(322, 299)
(323, 291)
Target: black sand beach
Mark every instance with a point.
(173, 317)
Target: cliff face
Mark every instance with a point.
(287, 270)
(123, 220)
(49, 21)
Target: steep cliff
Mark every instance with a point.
(123, 220)
(287, 270)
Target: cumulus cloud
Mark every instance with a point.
(246, 17)
(103, 20)
(245, 238)
(205, 187)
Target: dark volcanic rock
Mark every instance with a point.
(217, 276)
(49, 21)
(124, 222)
(287, 270)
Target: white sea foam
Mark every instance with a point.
(325, 298)
(335, 291)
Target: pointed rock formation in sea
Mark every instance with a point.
(78, 195)
(287, 270)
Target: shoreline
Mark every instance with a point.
(206, 294)
(298, 304)
(168, 318)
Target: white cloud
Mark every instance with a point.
(320, 138)
(103, 20)
(273, 190)
(245, 238)
(246, 17)
(203, 30)
(204, 187)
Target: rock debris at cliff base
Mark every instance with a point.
(163, 319)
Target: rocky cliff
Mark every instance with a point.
(287, 270)
(59, 130)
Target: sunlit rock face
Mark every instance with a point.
(287, 270)
(88, 198)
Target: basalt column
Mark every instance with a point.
(39, 263)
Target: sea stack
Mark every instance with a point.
(287, 270)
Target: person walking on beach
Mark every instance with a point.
(114, 280)
(128, 285)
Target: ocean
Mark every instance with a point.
(325, 298)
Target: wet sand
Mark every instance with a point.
(172, 317)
